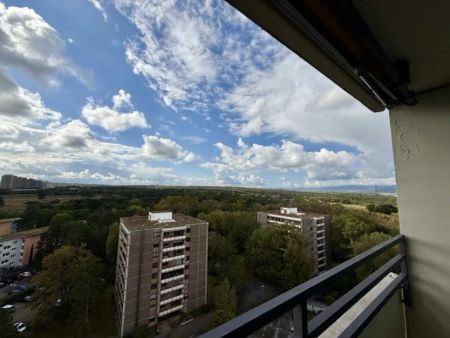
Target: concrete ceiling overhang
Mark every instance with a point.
(381, 52)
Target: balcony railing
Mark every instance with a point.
(296, 298)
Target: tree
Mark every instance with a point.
(354, 224)
(225, 303)
(220, 255)
(280, 255)
(366, 242)
(143, 331)
(112, 242)
(2, 201)
(7, 330)
(68, 282)
(61, 218)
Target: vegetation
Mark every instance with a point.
(382, 208)
(225, 303)
(280, 256)
(66, 288)
(7, 330)
(83, 231)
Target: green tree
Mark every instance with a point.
(280, 255)
(2, 201)
(112, 242)
(61, 218)
(7, 330)
(67, 285)
(143, 331)
(366, 242)
(225, 303)
(220, 255)
(354, 224)
(371, 207)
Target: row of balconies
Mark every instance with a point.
(167, 289)
(170, 310)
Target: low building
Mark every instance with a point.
(19, 248)
(161, 268)
(7, 225)
(313, 225)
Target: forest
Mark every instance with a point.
(83, 231)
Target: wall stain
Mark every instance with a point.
(401, 131)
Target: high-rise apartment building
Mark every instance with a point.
(161, 268)
(17, 182)
(314, 226)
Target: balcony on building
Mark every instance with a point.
(389, 56)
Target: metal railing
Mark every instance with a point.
(296, 298)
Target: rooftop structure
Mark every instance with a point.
(161, 268)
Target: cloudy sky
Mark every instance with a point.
(173, 92)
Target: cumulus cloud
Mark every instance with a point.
(20, 105)
(159, 148)
(204, 55)
(98, 6)
(29, 43)
(69, 152)
(110, 118)
(74, 134)
(288, 156)
(22, 147)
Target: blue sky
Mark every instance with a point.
(173, 92)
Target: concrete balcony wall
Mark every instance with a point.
(421, 141)
(389, 322)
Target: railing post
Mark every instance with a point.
(300, 317)
(406, 290)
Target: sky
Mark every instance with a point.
(143, 92)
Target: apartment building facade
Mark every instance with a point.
(19, 248)
(161, 268)
(313, 225)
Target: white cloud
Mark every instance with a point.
(70, 152)
(185, 51)
(98, 6)
(111, 119)
(30, 44)
(122, 100)
(159, 148)
(203, 55)
(289, 156)
(74, 134)
(23, 147)
(20, 105)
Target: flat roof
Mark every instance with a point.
(25, 233)
(300, 214)
(142, 222)
(6, 220)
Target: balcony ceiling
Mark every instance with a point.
(382, 52)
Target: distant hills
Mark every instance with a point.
(362, 189)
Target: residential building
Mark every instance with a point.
(19, 248)
(8, 225)
(161, 268)
(17, 182)
(313, 225)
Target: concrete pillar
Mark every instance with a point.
(421, 141)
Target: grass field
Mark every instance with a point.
(16, 202)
